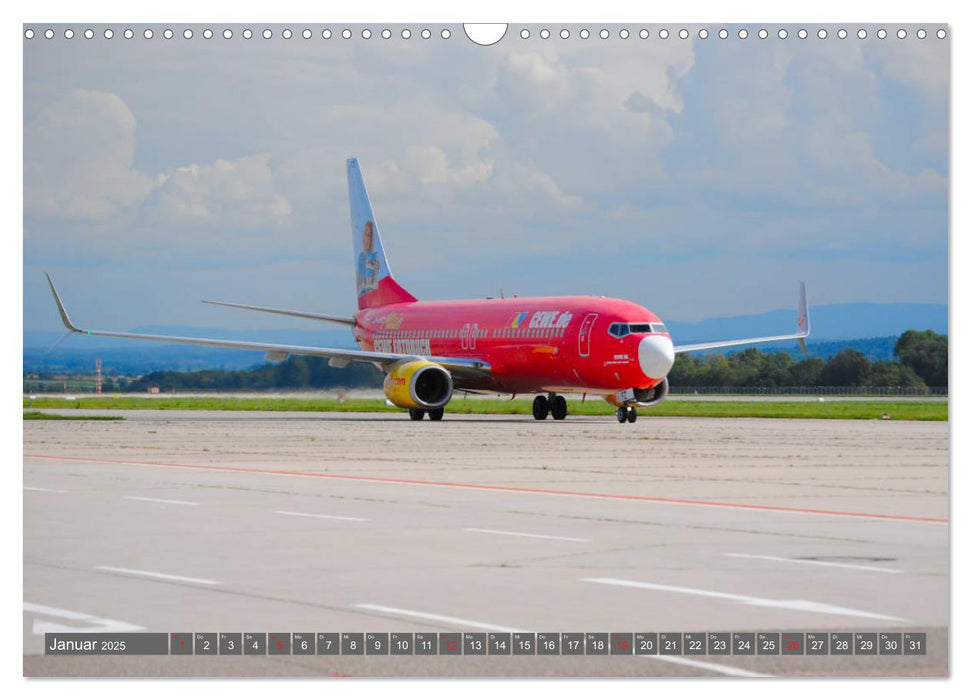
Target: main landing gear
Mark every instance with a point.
(418, 413)
(553, 404)
(626, 414)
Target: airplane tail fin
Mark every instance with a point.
(376, 285)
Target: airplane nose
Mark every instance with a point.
(656, 356)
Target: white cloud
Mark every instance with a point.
(535, 79)
(237, 194)
(772, 132)
(78, 155)
(920, 64)
(594, 121)
(431, 165)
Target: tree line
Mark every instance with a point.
(294, 373)
(921, 362)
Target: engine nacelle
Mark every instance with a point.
(644, 397)
(418, 384)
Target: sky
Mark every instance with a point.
(698, 177)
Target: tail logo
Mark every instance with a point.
(368, 262)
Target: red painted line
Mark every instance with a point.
(491, 487)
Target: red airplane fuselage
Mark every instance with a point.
(538, 344)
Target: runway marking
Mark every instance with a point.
(800, 605)
(707, 665)
(155, 574)
(316, 515)
(461, 622)
(817, 563)
(525, 534)
(38, 488)
(160, 500)
(94, 623)
(506, 489)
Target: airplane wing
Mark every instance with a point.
(802, 332)
(339, 357)
(346, 320)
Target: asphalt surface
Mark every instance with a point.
(260, 522)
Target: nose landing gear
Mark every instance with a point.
(627, 414)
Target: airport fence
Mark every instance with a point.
(810, 390)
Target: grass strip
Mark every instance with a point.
(846, 410)
(39, 415)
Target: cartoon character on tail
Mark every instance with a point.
(368, 263)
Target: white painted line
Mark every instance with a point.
(707, 665)
(155, 574)
(38, 488)
(161, 500)
(55, 612)
(94, 624)
(800, 605)
(817, 563)
(525, 534)
(461, 622)
(316, 515)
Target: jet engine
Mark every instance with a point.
(418, 384)
(644, 397)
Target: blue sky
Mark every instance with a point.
(698, 177)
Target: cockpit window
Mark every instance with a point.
(647, 328)
(619, 330)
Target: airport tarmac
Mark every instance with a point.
(287, 522)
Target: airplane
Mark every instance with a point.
(428, 350)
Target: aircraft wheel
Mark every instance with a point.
(632, 415)
(622, 414)
(416, 413)
(436, 414)
(558, 408)
(541, 407)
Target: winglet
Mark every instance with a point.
(65, 319)
(802, 321)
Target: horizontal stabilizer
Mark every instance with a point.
(346, 320)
